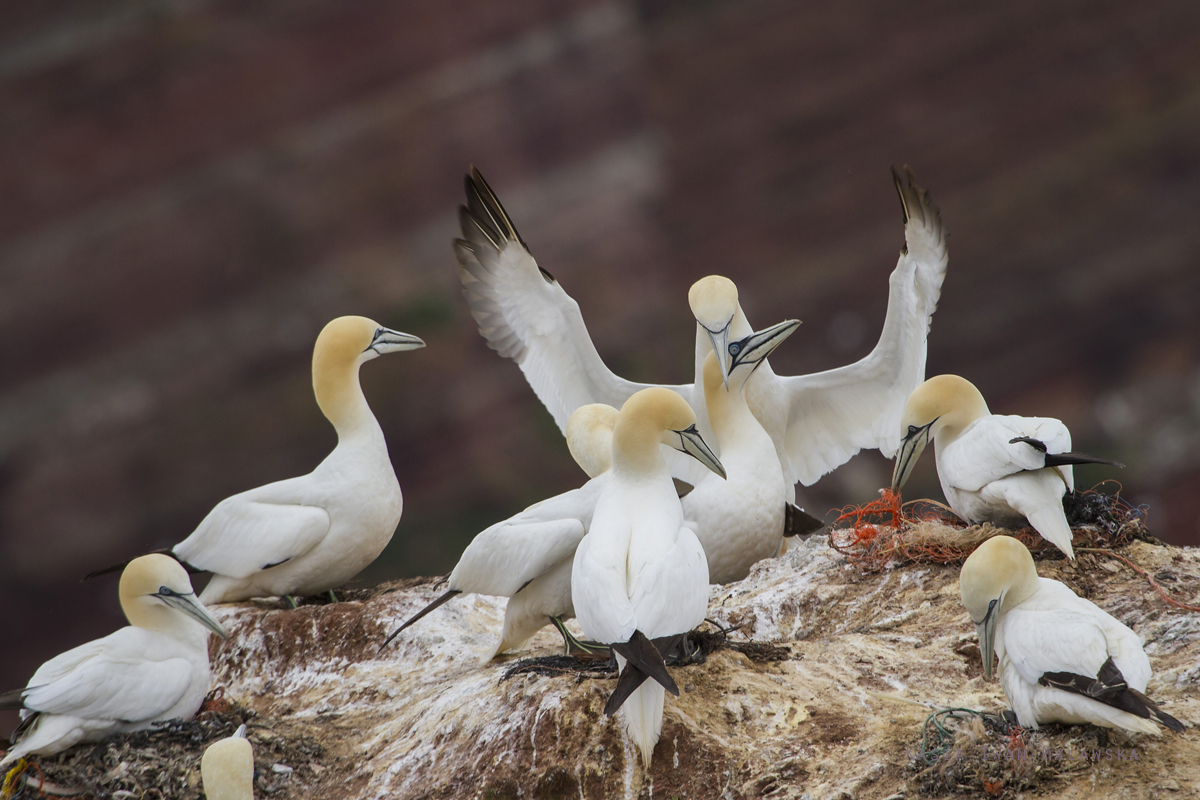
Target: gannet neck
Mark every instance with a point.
(1001, 569)
(341, 349)
(947, 403)
(640, 427)
(727, 409)
(589, 437)
(227, 770)
(156, 595)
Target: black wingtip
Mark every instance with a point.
(191, 570)
(900, 193)
(439, 601)
(797, 521)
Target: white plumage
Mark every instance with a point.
(156, 669)
(817, 422)
(1062, 658)
(1005, 470)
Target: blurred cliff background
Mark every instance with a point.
(192, 188)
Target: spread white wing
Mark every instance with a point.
(248, 532)
(112, 678)
(834, 414)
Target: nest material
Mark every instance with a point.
(164, 762)
(888, 533)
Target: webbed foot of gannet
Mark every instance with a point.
(575, 646)
(291, 601)
(333, 598)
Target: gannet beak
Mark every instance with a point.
(240, 733)
(758, 345)
(910, 450)
(692, 443)
(986, 631)
(720, 343)
(387, 340)
(188, 604)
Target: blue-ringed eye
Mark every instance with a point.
(734, 349)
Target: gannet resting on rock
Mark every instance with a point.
(227, 768)
(998, 469)
(156, 669)
(1062, 659)
(640, 579)
(307, 535)
(817, 422)
(528, 556)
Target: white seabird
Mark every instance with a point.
(1062, 659)
(155, 669)
(817, 421)
(527, 557)
(307, 535)
(227, 768)
(998, 469)
(640, 579)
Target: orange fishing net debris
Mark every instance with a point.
(889, 532)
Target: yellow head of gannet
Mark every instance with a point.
(997, 576)
(654, 416)
(155, 591)
(942, 403)
(227, 768)
(714, 304)
(344, 345)
(589, 437)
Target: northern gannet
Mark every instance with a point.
(1062, 659)
(640, 579)
(998, 469)
(227, 768)
(307, 535)
(527, 557)
(155, 669)
(817, 422)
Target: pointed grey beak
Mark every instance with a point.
(692, 443)
(910, 450)
(387, 340)
(758, 345)
(240, 733)
(986, 631)
(188, 604)
(720, 343)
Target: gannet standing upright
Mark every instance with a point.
(1062, 658)
(527, 557)
(310, 534)
(227, 768)
(817, 421)
(999, 469)
(640, 579)
(155, 669)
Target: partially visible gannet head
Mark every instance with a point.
(652, 416)
(157, 595)
(342, 347)
(714, 302)
(227, 768)
(944, 404)
(589, 437)
(996, 577)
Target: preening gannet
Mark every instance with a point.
(817, 422)
(998, 469)
(155, 669)
(227, 768)
(309, 534)
(528, 556)
(1062, 659)
(640, 579)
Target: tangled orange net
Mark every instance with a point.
(889, 531)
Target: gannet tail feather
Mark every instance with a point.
(191, 570)
(1051, 522)
(643, 718)
(439, 601)
(797, 521)
(643, 653)
(1110, 688)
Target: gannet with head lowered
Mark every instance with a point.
(998, 469)
(1062, 659)
(527, 557)
(156, 669)
(817, 422)
(640, 579)
(310, 534)
(227, 768)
